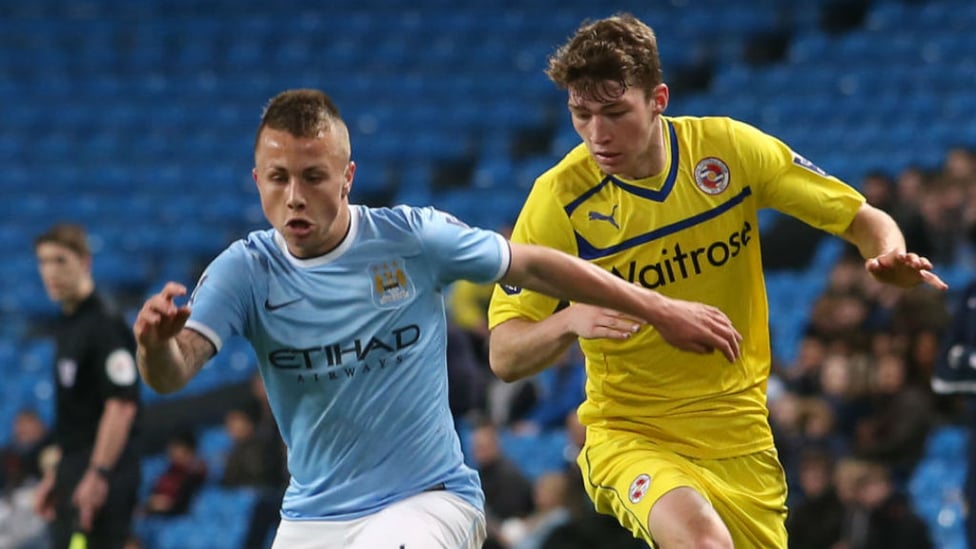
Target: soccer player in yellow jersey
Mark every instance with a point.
(678, 444)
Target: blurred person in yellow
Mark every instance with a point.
(678, 444)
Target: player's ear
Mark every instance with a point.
(348, 177)
(660, 96)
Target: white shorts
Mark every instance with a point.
(430, 520)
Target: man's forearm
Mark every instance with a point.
(163, 369)
(565, 277)
(521, 348)
(874, 233)
(113, 432)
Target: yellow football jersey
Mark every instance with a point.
(692, 233)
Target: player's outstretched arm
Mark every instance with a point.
(689, 326)
(882, 244)
(168, 355)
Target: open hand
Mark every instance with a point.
(698, 328)
(904, 269)
(160, 319)
(592, 322)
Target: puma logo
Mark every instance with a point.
(597, 216)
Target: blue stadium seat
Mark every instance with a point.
(536, 454)
(213, 445)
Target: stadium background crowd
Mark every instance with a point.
(136, 120)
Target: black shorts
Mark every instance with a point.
(113, 523)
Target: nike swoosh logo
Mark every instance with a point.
(276, 306)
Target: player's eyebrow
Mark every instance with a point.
(574, 106)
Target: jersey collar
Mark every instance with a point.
(658, 194)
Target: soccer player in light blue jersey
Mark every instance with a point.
(343, 305)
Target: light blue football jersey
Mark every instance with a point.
(351, 347)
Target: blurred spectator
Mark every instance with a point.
(551, 497)
(266, 430)
(575, 437)
(785, 420)
(844, 385)
(511, 402)
(803, 375)
(508, 493)
(815, 521)
(800, 424)
(20, 458)
(909, 190)
(878, 189)
(247, 460)
(560, 389)
(898, 425)
(942, 208)
(467, 307)
(585, 528)
(960, 165)
(20, 527)
(883, 517)
(955, 373)
(25, 461)
(467, 379)
(174, 490)
(840, 316)
(265, 513)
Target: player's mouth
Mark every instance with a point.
(606, 157)
(299, 227)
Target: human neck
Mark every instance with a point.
(85, 290)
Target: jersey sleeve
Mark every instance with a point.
(115, 353)
(218, 304)
(542, 221)
(458, 251)
(786, 181)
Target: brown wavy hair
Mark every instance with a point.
(621, 50)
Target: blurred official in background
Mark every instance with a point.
(93, 487)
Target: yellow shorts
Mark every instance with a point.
(625, 475)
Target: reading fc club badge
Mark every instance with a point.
(390, 284)
(639, 488)
(712, 175)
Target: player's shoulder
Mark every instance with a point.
(705, 126)
(403, 218)
(248, 253)
(721, 132)
(714, 126)
(255, 244)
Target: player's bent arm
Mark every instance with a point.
(171, 366)
(882, 244)
(519, 348)
(560, 275)
(874, 233)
